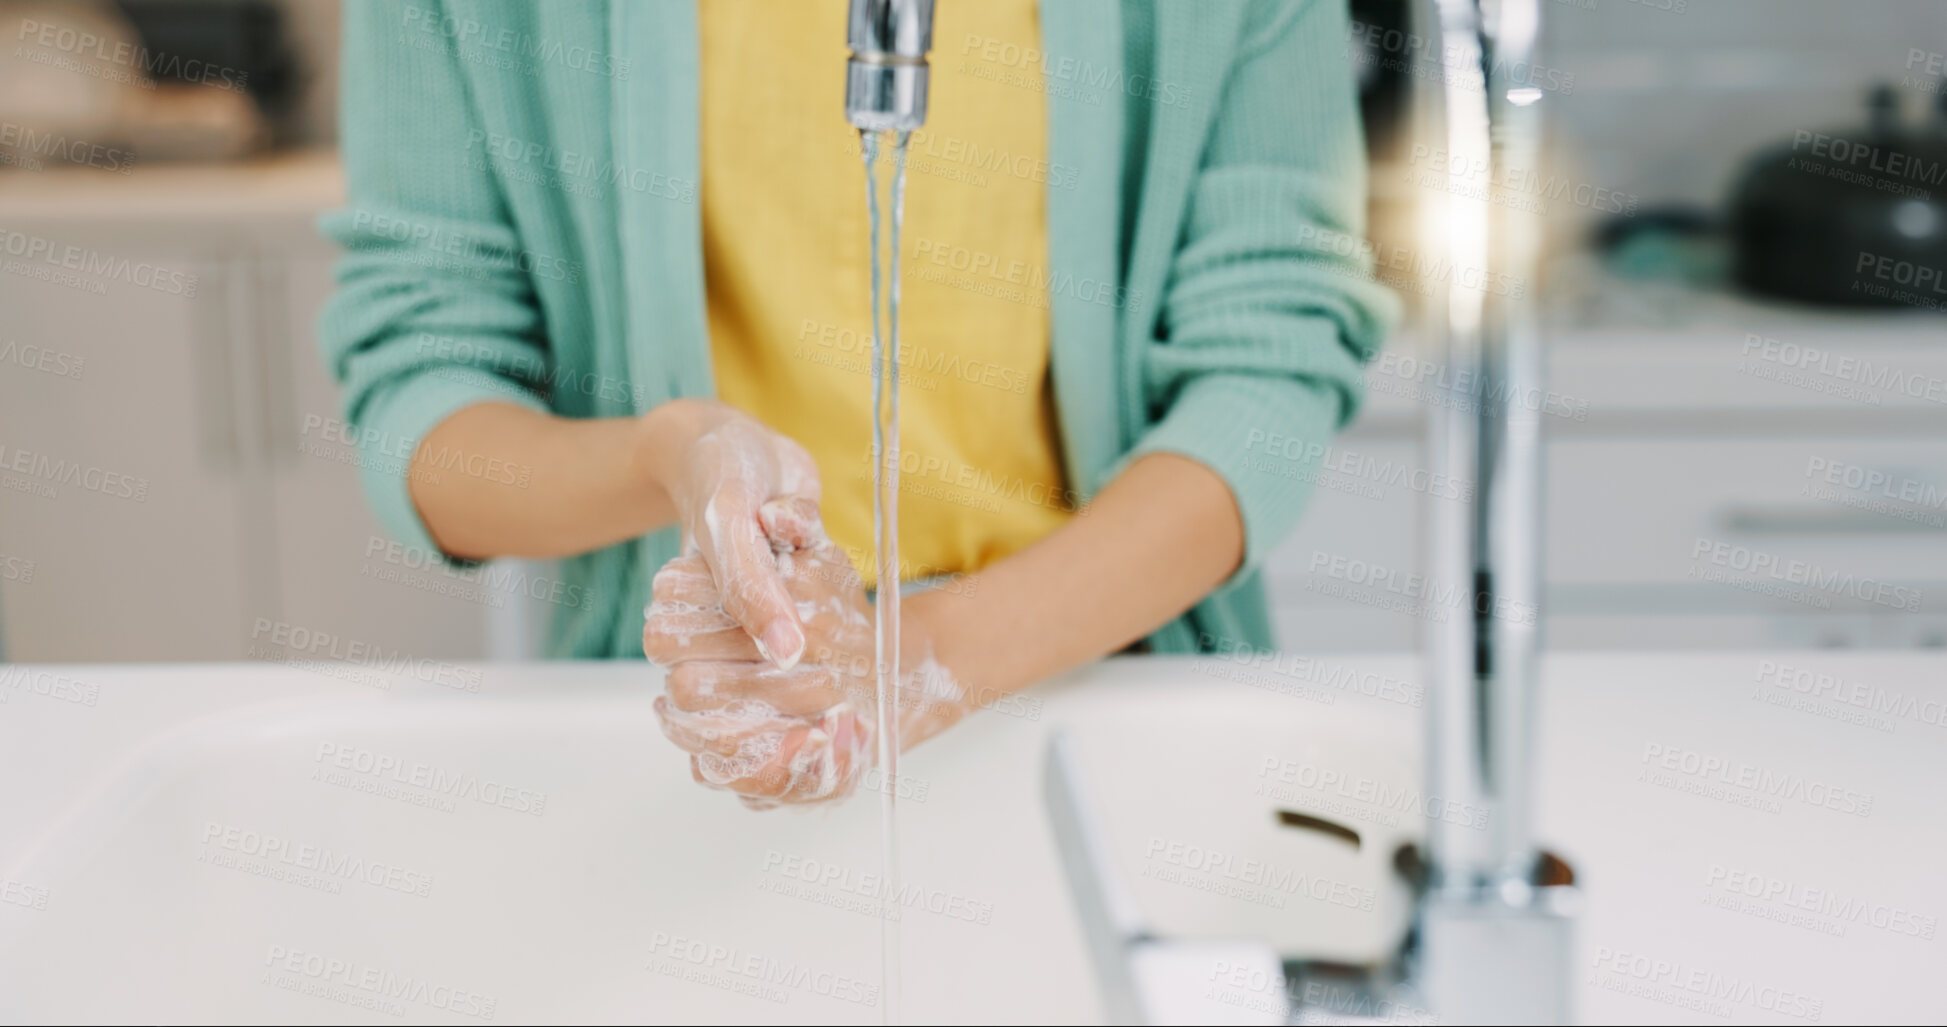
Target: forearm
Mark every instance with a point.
(1156, 540)
(578, 483)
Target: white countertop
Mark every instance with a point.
(129, 796)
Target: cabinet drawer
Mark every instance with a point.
(1667, 541)
(1756, 524)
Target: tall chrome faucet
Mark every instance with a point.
(886, 76)
(1495, 920)
(1492, 939)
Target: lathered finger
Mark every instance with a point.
(723, 732)
(763, 765)
(831, 770)
(807, 690)
(675, 635)
(684, 579)
(746, 573)
(792, 522)
(815, 762)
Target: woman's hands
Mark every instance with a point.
(776, 733)
(720, 469)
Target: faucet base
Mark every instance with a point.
(1505, 956)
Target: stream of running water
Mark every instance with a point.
(885, 539)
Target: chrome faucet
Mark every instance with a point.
(1493, 930)
(886, 76)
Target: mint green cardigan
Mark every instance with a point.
(523, 227)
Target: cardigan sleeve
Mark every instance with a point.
(432, 312)
(1270, 309)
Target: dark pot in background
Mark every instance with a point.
(1851, 217)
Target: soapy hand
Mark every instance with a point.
(726, 476)
(776, 734)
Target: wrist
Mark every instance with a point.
(940, 624)
(664, 434)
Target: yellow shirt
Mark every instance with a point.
(785, 258)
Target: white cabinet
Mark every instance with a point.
(1780, 478)
(119, 481)
(159, 496)
(338, 573)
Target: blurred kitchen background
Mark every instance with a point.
(1745, 200)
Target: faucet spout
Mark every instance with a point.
(1482, 662)
(886, 75)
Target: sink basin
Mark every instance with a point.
(517, 842)
(260, 843)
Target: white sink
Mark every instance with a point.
(256, 843)
(251, 843)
